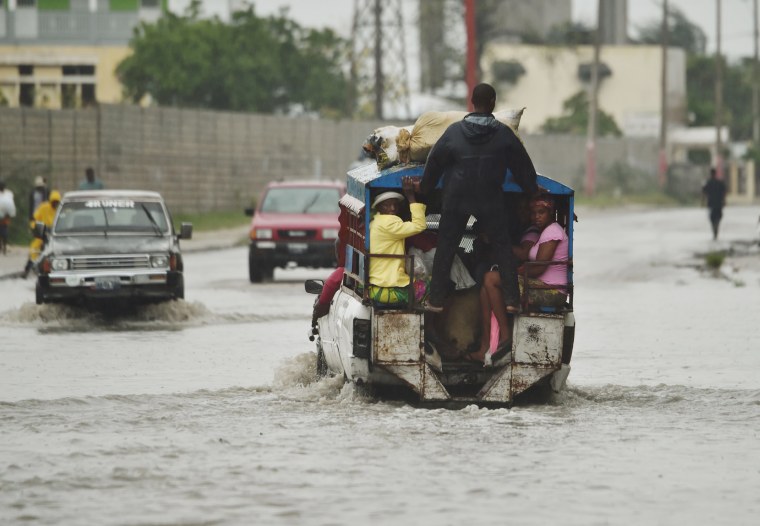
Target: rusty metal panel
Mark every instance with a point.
(409, 374)
(498, 388)
(525, 376)
(432, 388)
(397, 337)
(538, 340)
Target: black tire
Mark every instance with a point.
(267, 274)
(321, 363)
(255, 274)
(39, 297)
(568, 339)
(179, 292)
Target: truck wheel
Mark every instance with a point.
(254, 270)
(321, 363)
(267, 274)
(39, 298)
(568, 338)
(179, 292)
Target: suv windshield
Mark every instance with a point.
(291, 200)
(111, 215)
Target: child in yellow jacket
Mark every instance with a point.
(387, 232)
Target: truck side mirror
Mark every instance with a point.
(186, 231)
(314, 286)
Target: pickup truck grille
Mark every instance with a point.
(109, 262)
(297, 234)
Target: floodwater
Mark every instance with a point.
(207, 411)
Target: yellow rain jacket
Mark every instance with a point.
(45, 213)
(386, 236)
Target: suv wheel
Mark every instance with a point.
(254, 270)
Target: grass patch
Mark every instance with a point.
(714, 260)
(610, 200)
(204, 221)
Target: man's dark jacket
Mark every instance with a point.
(473, 155)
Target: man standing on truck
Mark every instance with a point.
(473, 155)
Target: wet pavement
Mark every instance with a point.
(208, 411)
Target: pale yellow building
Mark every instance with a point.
(542, 78)
(63, 53)
(57, 77)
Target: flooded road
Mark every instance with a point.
(207, 412)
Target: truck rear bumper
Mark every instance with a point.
(303, 254)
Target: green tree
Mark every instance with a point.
(681, 33)
(251, 64)
(737, 94)
(575, 119)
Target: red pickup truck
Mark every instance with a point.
(294, 222)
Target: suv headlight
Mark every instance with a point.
(330, 233)
(263, 233)
(159, 261)
(59, 264)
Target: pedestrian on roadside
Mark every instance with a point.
(90, 182)
(45, 214)
(473, 156)
(7, 213)
(38, 195)
(714, 195)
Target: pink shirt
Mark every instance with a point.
(554, 274)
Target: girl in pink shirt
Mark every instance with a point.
(551, 245)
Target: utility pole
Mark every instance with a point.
(378, 60)
(755, 80)
(471, 75)
(593, 104)
(663, 165)
(379, 81)
(718, 96)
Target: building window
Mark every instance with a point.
(507, 70)
(68, 96)
(26, 70)
(585, 70)
(26, 3)
(26, 97)
(151, 4)
(88, 95)
(78, 69)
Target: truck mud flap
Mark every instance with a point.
(421, 379)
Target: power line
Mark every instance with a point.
(380, 85)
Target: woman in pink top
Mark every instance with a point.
(552, 245)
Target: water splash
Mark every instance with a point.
(78, 318)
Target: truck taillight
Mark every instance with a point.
(362, 338)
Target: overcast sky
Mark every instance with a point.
(737, 27)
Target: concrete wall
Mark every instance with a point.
(199, 160)
(204, 160)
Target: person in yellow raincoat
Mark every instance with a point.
(45, 213)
